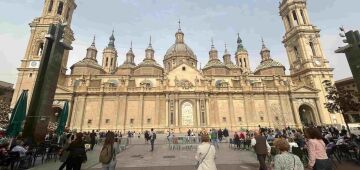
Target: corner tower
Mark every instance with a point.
(242, 56)
(54, 12)
(308, 64)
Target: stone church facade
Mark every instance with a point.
(177, 95)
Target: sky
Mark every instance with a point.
(201, 20)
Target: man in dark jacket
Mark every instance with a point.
(92, 139)
(262, 149)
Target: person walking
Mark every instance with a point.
(152, 139)
(214, 138)
(285, 160)
(262, 149)
(205, 154)
(318, 159)
(92, 139)
(77, 153)
(108, 152)
(64, 153)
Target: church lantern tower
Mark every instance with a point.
(110, 55)
(242, 56)
(308, 64)
(54, 12)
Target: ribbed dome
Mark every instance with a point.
(179, 49)
(269, 64)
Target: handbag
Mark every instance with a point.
(200, 161)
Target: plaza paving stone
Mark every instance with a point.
(138, 157)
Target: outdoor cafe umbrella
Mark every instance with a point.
(17, 116)
(62, 119)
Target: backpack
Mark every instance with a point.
(154, 136)
(106, 154)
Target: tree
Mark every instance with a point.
(341, 101)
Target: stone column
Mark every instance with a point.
(287, 26)
(177, 112)
(71, 111)
(320, 111)
(299, 17)
(167, 111)
(83, 113)
(101, 110)
(141, 111)
(267, 109)
(207, 112)
(198, 113)
(292, 21)
(157, 117)
(245, 111)
(307, 18)
(282, 110)
(117, 112)
(231, 110)
(125, 112)
(295, 112)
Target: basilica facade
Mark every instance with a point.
(176, 94)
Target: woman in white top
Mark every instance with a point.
(205, 154)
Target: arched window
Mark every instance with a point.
(51, 4)
(40, 49)
(106, 62)
(312, 48)
(296, 53)
(295, 18)
(111, 62)
(60, 8)
(245, 62)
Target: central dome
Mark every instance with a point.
(180, 49)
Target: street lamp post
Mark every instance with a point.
(352, 52)
(37, 119)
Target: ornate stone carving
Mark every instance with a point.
(221, 84)
(300, 102)
(185, 84)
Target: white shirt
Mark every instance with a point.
(253, 143)
(19, 149)
(293, 144)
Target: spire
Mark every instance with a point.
(179, 26)
(130, 50)
(264, 48)
(226, 50)
(265, 52)
(179, 35)
(93, 43)
(150, 45)
(112, 40)
(149, 52)
(240, 46)
(91, 51)
(212, 44)
(213, 53)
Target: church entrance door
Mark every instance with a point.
(306, 115)
(187, 114)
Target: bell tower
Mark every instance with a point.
(54, 12)
(308, 64)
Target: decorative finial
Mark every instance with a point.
(212, 42)
(225, 46)
(113, 31)
(131, 45)
(150, 41)
(263, 43)
(179, 24)
(93, 43)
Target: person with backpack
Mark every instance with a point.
(152, 139)
(205, 154)
(108, 152)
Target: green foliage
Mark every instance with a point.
(340, 101)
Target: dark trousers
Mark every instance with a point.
(74, 163)
(262, 158)
(322, 164)
(152, 144)
(92, 144)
